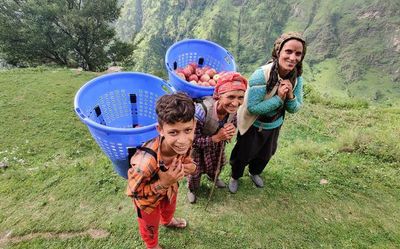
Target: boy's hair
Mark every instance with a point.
(173, 108)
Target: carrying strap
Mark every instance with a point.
(201, 102)
(267, 70)
(148, 150)
(132, 151)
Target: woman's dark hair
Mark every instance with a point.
(173, 108)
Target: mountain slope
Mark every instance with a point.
(360, 39)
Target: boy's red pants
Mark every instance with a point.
(148, 223)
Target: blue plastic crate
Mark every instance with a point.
(202, 52)
(112, 105)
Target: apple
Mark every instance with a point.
(193, 77)
(212, 82)
(199, 72)
(194, 65)
(211, 72)
(182, 76)
(191, 68)
(205, 78)
(187, 72)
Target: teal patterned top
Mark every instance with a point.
(258, 106)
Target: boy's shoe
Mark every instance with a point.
(233, 185)
(191, 197)
(257, 180)
(177, 223)
(220, 184)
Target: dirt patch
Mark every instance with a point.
(98, 234)
(7, 237)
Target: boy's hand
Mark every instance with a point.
(172, 175)
(188, 166)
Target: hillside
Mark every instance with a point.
(354, 47)
(60, 191)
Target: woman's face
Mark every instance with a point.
(289, 56)
(230, 101)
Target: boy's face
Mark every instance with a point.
(178, 137)
(230, 101)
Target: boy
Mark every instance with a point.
(158, 166)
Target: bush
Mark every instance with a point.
(380, 143)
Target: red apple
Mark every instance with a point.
(205, 78)
(211, 72)
(181, 75)
(191, 68)
(179, 70)
(193, 77)
(194, 65)
(187, 72)
(199, 72)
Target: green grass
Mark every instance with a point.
(373, 88)
(59, 184)
(325, 79)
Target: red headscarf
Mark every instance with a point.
(229, 81)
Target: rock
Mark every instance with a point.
(3, 165)
(323, 181)
(114, 69)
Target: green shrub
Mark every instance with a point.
(380, 143)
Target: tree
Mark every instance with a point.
(66, 32)
(120, 52)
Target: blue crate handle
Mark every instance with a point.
(134, 111)
(168, 87)
(99, 115)
(168, 67)
(231, 57)
(80, 114)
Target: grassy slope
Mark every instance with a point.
(326, 76)
(59, 181)
(374, 88)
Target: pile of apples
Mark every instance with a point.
(202, 76)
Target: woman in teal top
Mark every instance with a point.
(274, 88)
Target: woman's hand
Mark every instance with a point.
(188, 166)
(282, 91)
(289, 88)
(230, 128)
(223, 134)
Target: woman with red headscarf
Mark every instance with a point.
(274, 88)
(216, 123)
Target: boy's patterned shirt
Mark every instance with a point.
(143, 183)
